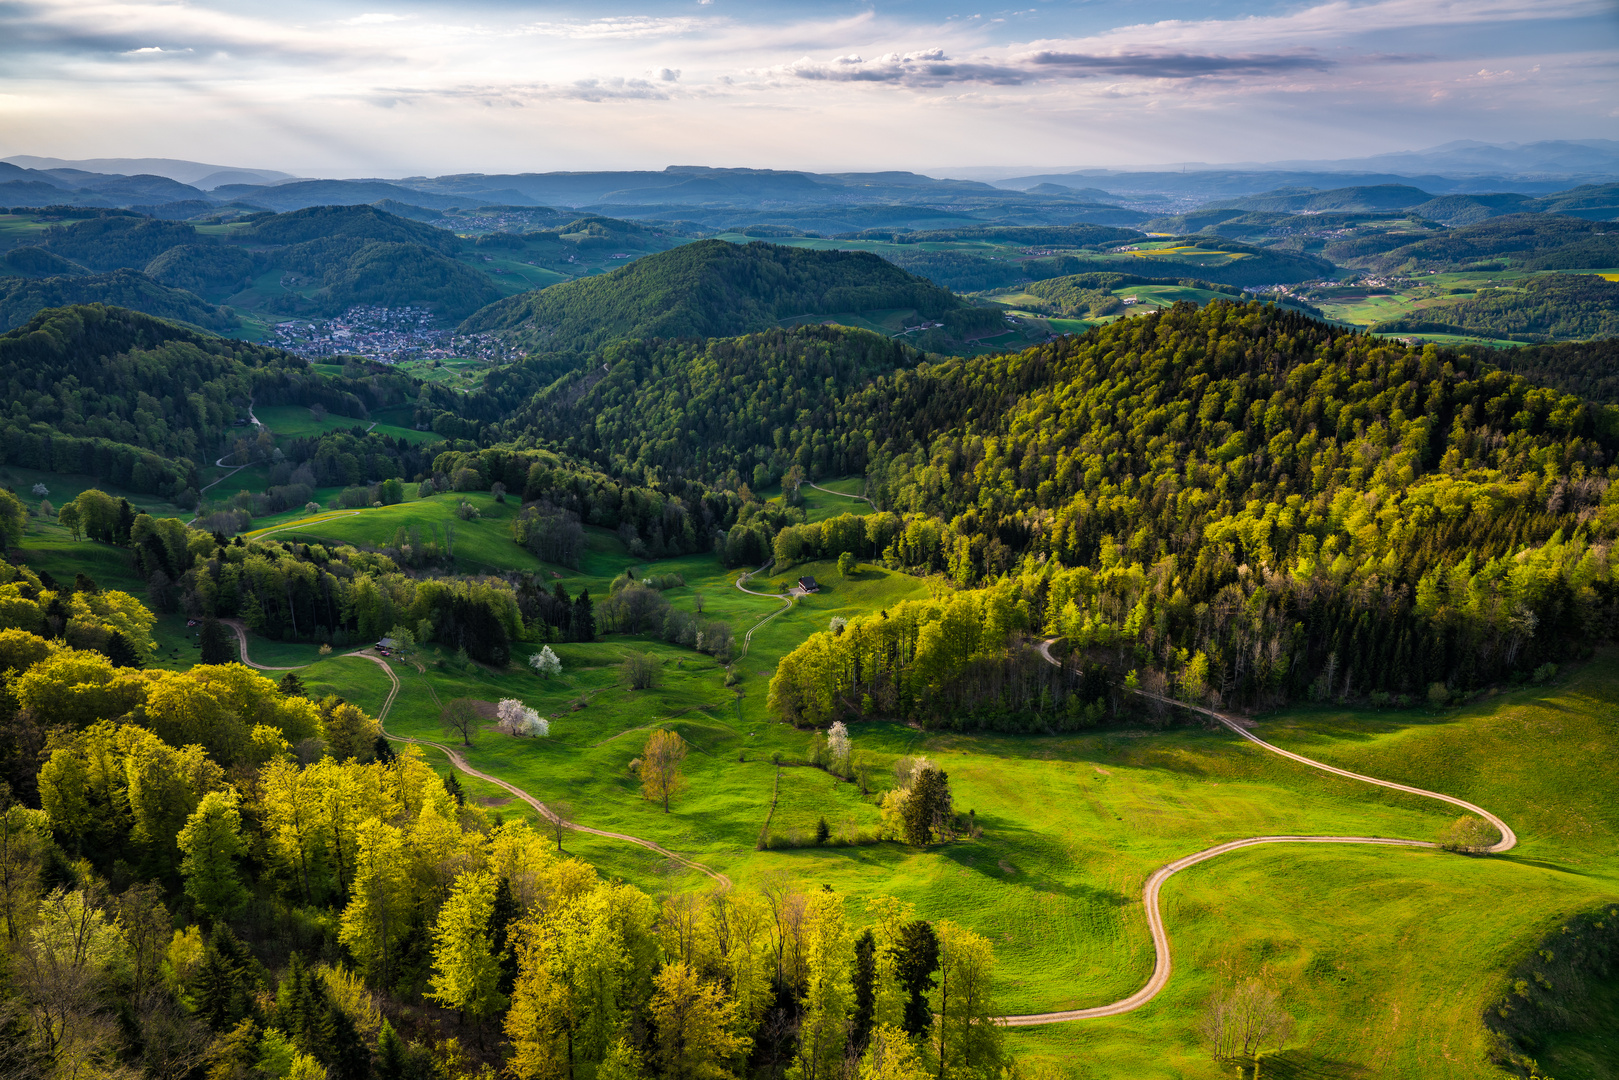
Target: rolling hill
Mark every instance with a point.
(21, 298)
(1544, 307)
(1523, 241)
(714, 289)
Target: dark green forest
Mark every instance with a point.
(1258, 503)
(141, 402)
(1587, 369)
(21, 298)
(708, 289)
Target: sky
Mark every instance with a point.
(374, 88)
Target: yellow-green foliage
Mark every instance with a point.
(115, 785)
(84, 620)
(903, 660)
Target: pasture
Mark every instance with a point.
(1385, 957)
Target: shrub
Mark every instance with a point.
(640, 671)
(1468, 834)
(1545, 673)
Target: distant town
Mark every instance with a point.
(385, 335)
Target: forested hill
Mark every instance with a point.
(1245, 484)
(21, 298)
(710, 408)
(708, 289)
(134, 400)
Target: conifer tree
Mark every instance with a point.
(217, 646)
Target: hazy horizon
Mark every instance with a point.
(426, 88)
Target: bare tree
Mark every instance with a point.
(561, 817)
(661, 762)
(63, 973)
(1241, 1022)
(460, 717)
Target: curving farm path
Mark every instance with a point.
(1162, 964)
(460, 763)
(841, 494)
(787, 601)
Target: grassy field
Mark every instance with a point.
(1074, 824)
(19, 229)
(455, 374)
(1386, 957)
(296, 421)
(482, 545)
(511, 275)
(65, 487)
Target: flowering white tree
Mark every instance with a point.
(837, 740)
(546, 662)
(515, 718)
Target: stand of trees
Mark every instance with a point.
(963, 661)
(308, 592)
(188, 892)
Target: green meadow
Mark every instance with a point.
(1385, 957)
(296, 421)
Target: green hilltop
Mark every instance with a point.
(712, 288)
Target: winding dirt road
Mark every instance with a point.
(747, 639)
(1162, 964)
(461, 763)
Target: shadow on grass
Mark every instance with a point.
(1544, 865)
(1303, 1065)
(984, 859)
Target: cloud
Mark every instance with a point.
(931, 67)
(1159, 65)
(1310, 72)
(927, 67)
(613, 28)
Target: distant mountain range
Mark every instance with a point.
(821, 202)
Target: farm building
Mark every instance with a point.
(808, 584)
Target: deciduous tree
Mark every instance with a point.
(212, 842)
(694, 1023)
(661, 767)
(460, 717)
(466, 972)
